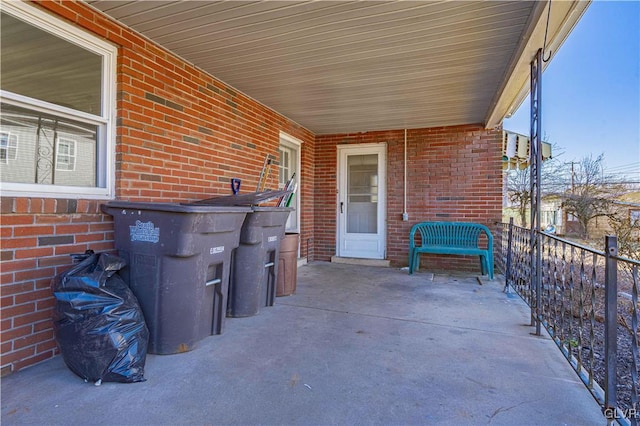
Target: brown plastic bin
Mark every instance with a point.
(288, 265)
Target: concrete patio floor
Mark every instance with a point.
(356, 345)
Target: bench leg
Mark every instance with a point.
(483, 265)
(490, 263)
(414, 262)
(487, 266)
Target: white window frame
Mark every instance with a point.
(295, 144)
(105, 149)
(70, 164)
(11, 148)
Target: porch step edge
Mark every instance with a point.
(358, 261)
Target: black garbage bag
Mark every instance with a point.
(98, 323)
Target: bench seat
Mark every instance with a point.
(455, 238)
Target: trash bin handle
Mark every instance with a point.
(213, 281)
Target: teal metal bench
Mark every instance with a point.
(460, 238)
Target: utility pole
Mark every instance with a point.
(573, 173)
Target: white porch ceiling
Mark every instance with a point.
(353, 66)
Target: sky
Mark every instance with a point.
(591, 91)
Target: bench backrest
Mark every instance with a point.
(450, 234)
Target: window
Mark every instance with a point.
(57, 93)
(8, 147)
(289, 164)
(66, 154)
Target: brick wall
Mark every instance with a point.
(181, 136)
(453, 174)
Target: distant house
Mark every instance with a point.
(66, 152)
(628, 207)
(550, 214)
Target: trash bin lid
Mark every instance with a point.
(248, 199)
(176, 207)
(271, 209)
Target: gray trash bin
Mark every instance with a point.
(255, 262)
(179, 260)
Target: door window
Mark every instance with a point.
(362, 195)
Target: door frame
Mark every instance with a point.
(294, 144)
(362, 149)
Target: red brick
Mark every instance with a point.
(22, 205)
(19, 243)
(36, 205)
(86, 218)
(50, 206)
(18, 265)
(16, 333)
(45, 304)
(69, 249)
(84, 238)
(33, 318)
(33, 252)
(17, 288)
(32, 339)
(17, 219)
(6, 324)
(47, 345)
(18, 356)
(46, 324)
(72, 229)
(43, 283)
(47, 218)
(33, 274)
(32, 296)
(27, 361)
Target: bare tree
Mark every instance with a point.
(591, 193)
(627, 229)
(519, 192)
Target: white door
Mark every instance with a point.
(362, 201)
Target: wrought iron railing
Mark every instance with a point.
(587, 300)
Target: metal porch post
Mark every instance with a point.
(611, 323)
(535, 152)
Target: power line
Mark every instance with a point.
(632, 166)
